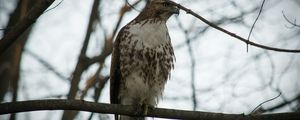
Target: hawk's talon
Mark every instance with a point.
(145, 109)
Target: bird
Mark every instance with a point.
(142, 58)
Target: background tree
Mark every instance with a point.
(10, 61)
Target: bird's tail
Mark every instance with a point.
(123, 117)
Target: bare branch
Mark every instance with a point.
(193, 64)
(81, 65)
(98, 90)
(289, 21)
(91, 82)
(82, 60)
(46, 64)
(54, 6)
(58, 104)
(280, 105)
(252, 27)
(253, 111)
(11, 36)
(132, 6)
(221, 21)
(188, 11)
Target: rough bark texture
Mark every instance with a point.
(38, 105)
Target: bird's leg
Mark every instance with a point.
(146, 108)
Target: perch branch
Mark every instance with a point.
(80, 105)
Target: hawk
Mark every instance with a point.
(142, 58)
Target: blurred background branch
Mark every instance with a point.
(26, 21)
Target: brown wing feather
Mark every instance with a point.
(115, 74)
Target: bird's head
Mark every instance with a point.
(159, 9)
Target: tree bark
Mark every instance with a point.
(80, 105)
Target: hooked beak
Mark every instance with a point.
(175, 10)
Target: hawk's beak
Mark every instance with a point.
(175, 10)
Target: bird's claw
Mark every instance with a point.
(146, 108)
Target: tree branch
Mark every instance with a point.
(280, 105)
(188, 11)
(47, 65)
(252, 27)
(193, 64)
(82, 65)
(11, 36)
(57, 104)
(289, 21)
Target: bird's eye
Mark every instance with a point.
(166, 4)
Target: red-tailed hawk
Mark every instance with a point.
(142, 58)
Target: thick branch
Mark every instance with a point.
(37, 105)
(188, 11)
(11, 36)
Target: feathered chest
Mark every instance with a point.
(149, 34)
(146, 47)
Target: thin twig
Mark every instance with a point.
(193, 64)
(132, 6)
(283, 104)
(54, 6)
(292, 23)
(252, 27)
(222, 21)
(264, 103)
(46, 64)
(188, 11)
